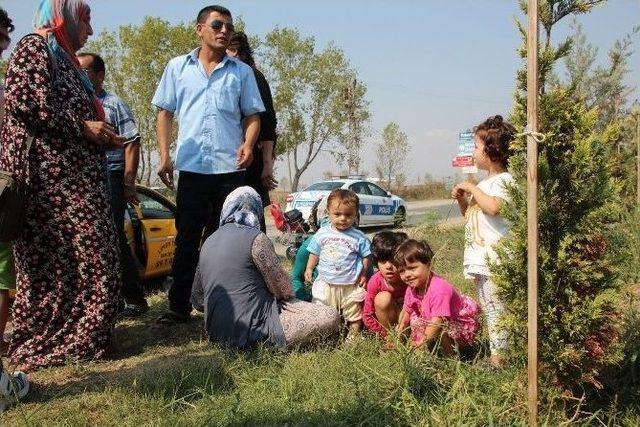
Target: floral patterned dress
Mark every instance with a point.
(67, 261)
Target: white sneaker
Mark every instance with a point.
(12, 388)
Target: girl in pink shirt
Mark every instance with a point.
(432, 308)
(385, 289)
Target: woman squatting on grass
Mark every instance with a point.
(480, 204)
(433, 310)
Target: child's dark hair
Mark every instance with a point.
(344, 196)
(385, 243)
(411, 251)
(497, 136)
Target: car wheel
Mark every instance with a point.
(400, 217)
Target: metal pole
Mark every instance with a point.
(532, 211)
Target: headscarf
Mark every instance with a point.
(60, 20)
(242, 206)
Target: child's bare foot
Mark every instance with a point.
(354, 332)
(389, 345)
(497, 361)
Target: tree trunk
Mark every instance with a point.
(289, 167)
(295, 181)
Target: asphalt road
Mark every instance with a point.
(417, 212)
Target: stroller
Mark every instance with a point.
(293, 227)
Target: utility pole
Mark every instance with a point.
(354, 142)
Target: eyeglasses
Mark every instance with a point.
(217, 25)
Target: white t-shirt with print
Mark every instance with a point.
(483, 231)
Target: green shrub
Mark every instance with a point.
(579, 216)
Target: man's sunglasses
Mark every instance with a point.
(217, 25)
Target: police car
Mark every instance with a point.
(377, 206)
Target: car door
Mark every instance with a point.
(383, 208)
(366, 203)
(157, 223)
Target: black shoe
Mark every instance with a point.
(133, 310)
(172, 318)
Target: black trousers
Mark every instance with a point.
(199, 204)
(132, 290)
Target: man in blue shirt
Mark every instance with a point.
(122, 166)
(217, 102)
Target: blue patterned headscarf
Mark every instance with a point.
(242, 206)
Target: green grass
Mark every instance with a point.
(160, 376)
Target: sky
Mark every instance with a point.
(435, 67)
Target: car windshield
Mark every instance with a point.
(324, 186)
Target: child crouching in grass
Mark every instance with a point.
(385, 290)
(433, 309)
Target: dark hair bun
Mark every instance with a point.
(495, 122)
(497, 136)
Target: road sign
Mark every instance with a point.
(465, 143)
(460, 161)
(464, 159)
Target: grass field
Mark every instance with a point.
(160, 376)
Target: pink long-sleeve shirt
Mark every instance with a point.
(375, 285)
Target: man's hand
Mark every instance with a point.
(165, 172)
(102, 134)
(245, 156)
(268, 181)
(130, 194)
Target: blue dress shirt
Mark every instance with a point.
(210, 110)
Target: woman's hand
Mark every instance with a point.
(102, 135)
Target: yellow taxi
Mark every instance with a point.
(150, 228)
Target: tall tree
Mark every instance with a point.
(136, 56)
(309, 89)
(578, 208)
(392, 152)
(603, 87)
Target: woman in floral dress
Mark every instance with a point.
(66, 253)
